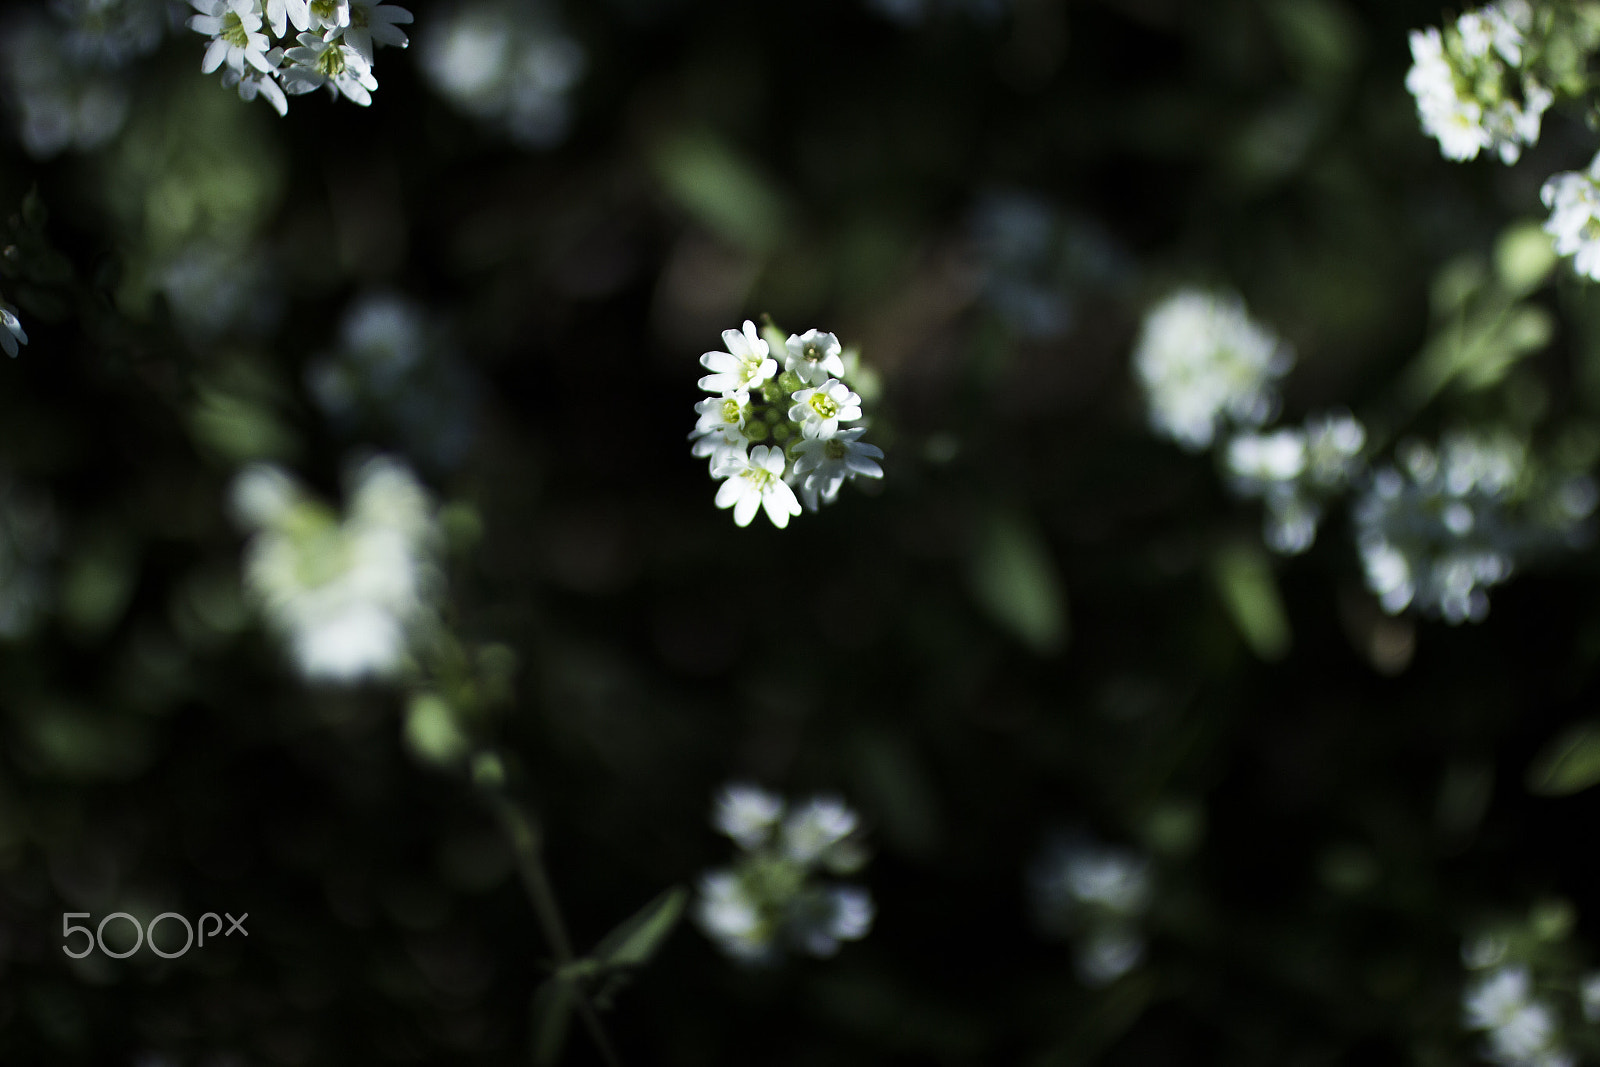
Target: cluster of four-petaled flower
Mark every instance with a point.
(336, 38)
(801, 409)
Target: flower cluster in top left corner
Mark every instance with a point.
(332, 46)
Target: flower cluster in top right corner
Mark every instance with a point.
(1484, 83)
(770, 433)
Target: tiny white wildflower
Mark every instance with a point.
(747, 814)
(818, 921)
(720, 431)
(325, 15)
(823, 464)
(743, 367)
(1573, 198)
(728, 915)
(820, 410)
(253, 83)
(13, 334)
(332, 63)
(280, 13)
(235, 29)
(813, 357)
(756, 481)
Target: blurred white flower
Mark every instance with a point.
(1469, 97)
(346, 595)
(813, 357)
(772, 896)
(1522, 1029)
(1203, 360)
(1573, 198)
(1589, 996)
(747, 814)
(511, 65)
(1108, 953)
(1097, 895)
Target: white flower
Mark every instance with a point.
(372, 23)
(756, 480)
(235, 29)
(731, 918)
(1333, 449)
(825, 463)
(1589, 996)
(1266, 458)
(1456, 122)
(820, 410)
(810, 832)
(332, 63)
(1108, 953)
(813, 357)
(743, 367)
(1494, 999)
(13, 335)
(720, 431)
(1573, 198)
(1202, 359)
(747, 814)
(252, 84)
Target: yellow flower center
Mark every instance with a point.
(823, 405)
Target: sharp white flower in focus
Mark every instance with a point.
(235, 29)
(374, 23)
(820, 410)
(332, 63)
(824, 464)
(813, 357)
(743, 367)
(13, 334)
(756, 481)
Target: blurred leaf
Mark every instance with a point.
(1524, 258)
(1015, 582)
(638, 938)
(97, 587)
(1456, 283)
(721, 190)
(1321, 37)
(1569, 764)
(432, 732)
(1250, 593)
(238, 429)
(549, 1017)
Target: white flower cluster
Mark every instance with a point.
(13, 334)
(348, 595)
(1465, 82)
(801, 409)
(1205, 363)
(771, 897)
(333, 46)
(1446, 525)
(1098, 895)
(1294, 471)
(507, 64)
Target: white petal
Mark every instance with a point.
(745, 510)
(729, 491)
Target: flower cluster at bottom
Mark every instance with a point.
(802, 410)
(771, 897)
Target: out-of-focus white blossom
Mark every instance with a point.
(1447, 524)
(772, 897)
(511, 65)
(1204, 362)
(1098, 896)
(1469, 93)
(755, 480)
(1589, 996)
(1523, 1030)
(1573, 198)
(743, 367)
(823, 464)
(1292, 471)
(346, 594)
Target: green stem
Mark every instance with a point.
(527, 846)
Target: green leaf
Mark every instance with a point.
(1250, 593)
(1569, 764)
(637, 938)
(720, 189)
(548, 1020)
(1015, 582)
(1524, 257)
